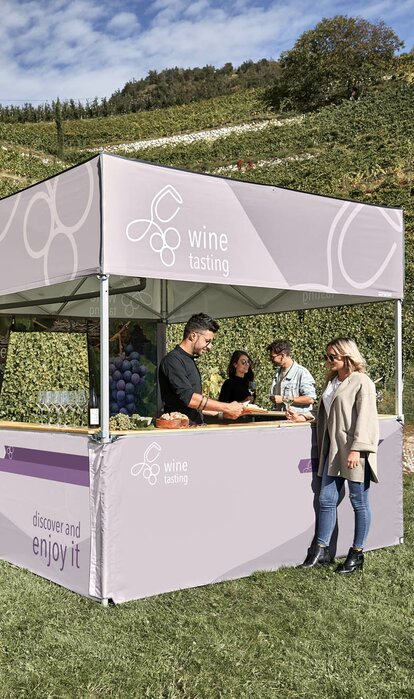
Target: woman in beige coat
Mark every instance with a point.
(347, 429)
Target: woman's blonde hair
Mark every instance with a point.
(347, 348)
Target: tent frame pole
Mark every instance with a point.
(104, 356)
(162, 335)
(399, 381)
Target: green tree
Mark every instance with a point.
(338, 59)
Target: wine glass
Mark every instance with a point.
(57, 405)
(48, 401)
(40, 404)
(271, 397)
(73, 407)
(252, 390)
(82, 403)
(64, 404)
(288, 396)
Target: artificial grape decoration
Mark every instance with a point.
(126, 379)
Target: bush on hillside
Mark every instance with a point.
(338, 59)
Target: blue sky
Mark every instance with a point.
(89, 48)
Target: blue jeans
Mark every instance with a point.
(328, 501)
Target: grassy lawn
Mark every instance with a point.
(290, 634)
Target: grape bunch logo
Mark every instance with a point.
(163, 239)
(149, 468)
(340, 231)
(135, 299)
(45, 204)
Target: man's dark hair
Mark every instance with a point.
(279, 346)
(198, 323)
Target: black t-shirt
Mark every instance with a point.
(179, 378)
(234, 388)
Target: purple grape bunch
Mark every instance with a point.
(126, 379)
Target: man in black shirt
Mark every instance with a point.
(179, 377)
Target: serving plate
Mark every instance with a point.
(174, 424)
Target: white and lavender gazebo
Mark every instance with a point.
(156, 511)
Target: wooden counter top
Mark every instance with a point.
(276, 421)
(42, 427)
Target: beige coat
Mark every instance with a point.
(352, 425)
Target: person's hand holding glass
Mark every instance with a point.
(252, 391)
(276, 400)
(288, 396)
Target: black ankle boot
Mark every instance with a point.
(353, 562)
(319, 557)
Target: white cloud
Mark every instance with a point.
(88, 48)
(123, 23)
(195, 9)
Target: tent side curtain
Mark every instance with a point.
(51, 232)
(177, 225)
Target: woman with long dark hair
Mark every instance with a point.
(240, 372)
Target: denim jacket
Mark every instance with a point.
(302, 382)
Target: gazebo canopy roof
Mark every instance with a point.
(174, 241)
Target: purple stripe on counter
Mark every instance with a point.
(308, 465)
(51, 458)
(74, 476)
